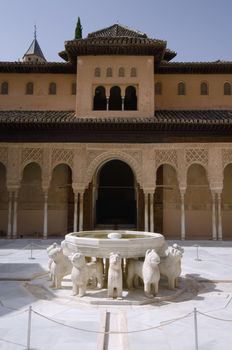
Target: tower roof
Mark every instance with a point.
(117, 30)
(35, 50)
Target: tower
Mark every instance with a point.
(34, 54)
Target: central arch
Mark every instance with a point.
(115, 196)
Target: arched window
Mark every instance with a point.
(181, 88)
(97, 72)
(133, 72)
(158, 88)
(73, 88)
(30, 88)
(4, 88)
(121, 72)
(227, 88)
(204, 88)
(115, 100)
(109, 72)
(130, 102)
(99, 100)
(52, 89)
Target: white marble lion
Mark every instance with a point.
(82, 272)
(147, 270)
(115, 276)
(60, 266)
(50, 261)
(170, 266)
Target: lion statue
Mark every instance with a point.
(60, 266)
(115, 276)
(170, 266)
(82, 272)
(50, 261)
(147, 270)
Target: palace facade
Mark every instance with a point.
(116, 136)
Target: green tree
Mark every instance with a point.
(78, 30)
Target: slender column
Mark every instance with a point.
(146, 211)
(9, 227)
(75, 212)
(123, 100)
(81, 212)
(137, 206)
(45, 223)
(107, 103)
(214, 228)
(15, 214)
(183, 233)
(151, 212)
(219, 216)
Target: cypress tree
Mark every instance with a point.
(78, 30)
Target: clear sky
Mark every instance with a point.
(198, 30)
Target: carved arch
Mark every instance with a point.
(107, 156)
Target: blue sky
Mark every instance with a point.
(198, 30)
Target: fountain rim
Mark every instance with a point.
(145, 235)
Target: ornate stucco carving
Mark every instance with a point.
(226, 157)
(196, 155)
(3, 155)
(14, 167)
(166, 156)
(60, 155)
(32, 155)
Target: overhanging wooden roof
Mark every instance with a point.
(165, 126)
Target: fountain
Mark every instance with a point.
(117, 260)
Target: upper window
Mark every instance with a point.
(30, 88)
(181, 88)
(74, 88)
(52, 89)
(97, 72)
(109, 72)
(227, 88)
(121, 72)
(133, 72)
(158, 88)
(204, 88)
(4, 88)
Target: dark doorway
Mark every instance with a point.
(116, 204)
(115, 101)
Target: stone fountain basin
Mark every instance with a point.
(132, 244)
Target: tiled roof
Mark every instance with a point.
(117, 30)
(36, 117)
(161, 117)
(165, 126)
(217, 67)
(31, 67)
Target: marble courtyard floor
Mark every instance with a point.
(61, 321)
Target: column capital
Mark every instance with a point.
(148, 190)
(13, 188)
(216, 190)
(78, 188)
